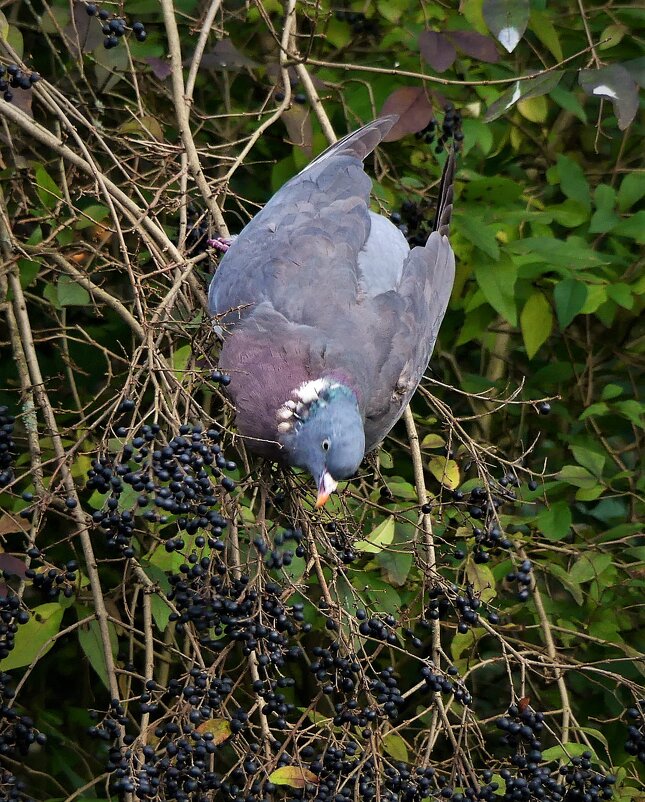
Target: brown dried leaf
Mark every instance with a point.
(437, 50)
(476, 45)
(414, 110)
(10, 524)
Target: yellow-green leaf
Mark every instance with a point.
(536, 322)
(220, 728)
(395, 746)
(611, 36)
(482, 579)
(35, 638)
(433, 441)
(380, 537)
(4, 26)
(534, 109)
(445, 471)
(293, 776)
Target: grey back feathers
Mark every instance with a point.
(316, 286)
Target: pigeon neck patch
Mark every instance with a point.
(305, 400)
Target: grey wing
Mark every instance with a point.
(307, 239)
(422, 298)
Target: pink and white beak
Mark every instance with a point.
(326, 487)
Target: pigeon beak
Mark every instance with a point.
(326, 487)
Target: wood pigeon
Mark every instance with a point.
(328, 317)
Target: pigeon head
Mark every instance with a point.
(321, 430)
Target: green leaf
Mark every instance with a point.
(592, 460)
(569, 102)
(570, 214)
(523, 90)
(4, 26)
(555, 521)
(379, 538)
(46, 188)
(497, 282)
(482, 236)
(604, 218)
(540, 23)
(89, 638)
(633, 410)
(611, 36)
(632, 189)
(70, 293)
(563, 576)
(570, 296)
(589, 566)
(34, 639)
(395, 746)
(29, 271)
(565, 751)
(573, 181)
(577, 476)
(633, 227)
(536, 322)
(507, 20)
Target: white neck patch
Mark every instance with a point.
(297, 407)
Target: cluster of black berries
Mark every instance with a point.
(12, 77)
(443, 601)
(114, 28)
(635, 744)
(223, 610)
(342, 544)
(523, 578)
(530, 779)
(177, 478)
(413, 224)
(450, 130)
(377, 628)
(358, 22)
(278, 557)
(111, 723)
(17, 733)
(436, 682)
(51, 582)
(299, 97)
(11, 616)
(7, 446)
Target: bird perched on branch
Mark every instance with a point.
(328, 317)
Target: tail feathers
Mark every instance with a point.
(359, 143)
(444, 200)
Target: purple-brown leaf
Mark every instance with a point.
(226, 56)
(476, 45)
(414, 110)
(298, 124)
(437, 50)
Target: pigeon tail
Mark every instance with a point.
(359, 143)
(444, 200)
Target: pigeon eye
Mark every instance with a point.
(325, 445)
